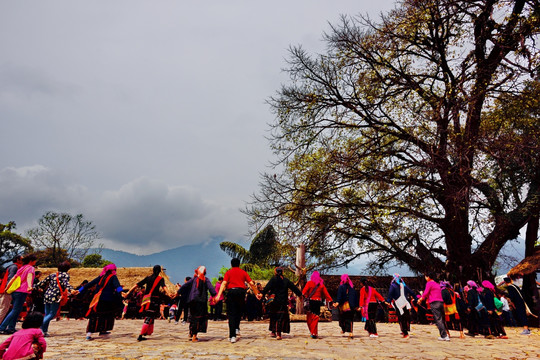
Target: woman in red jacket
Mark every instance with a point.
(315, 292)
(369, 298)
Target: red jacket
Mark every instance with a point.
(318, 294)
(374, 296)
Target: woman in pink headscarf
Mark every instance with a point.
(198, 302)
(496, 328)
(474, 309)
(101, 312)
(347, 302)
(369, 298)
(315, 292)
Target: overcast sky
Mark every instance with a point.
(148, 117)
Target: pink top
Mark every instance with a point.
(19, 345)
(218, 285)
(23, 273)
(432, 292)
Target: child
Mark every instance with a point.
(172, 311)
(27, 343)
(125, 309)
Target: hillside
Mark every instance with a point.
(178, 262)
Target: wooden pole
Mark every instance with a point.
(300, 274)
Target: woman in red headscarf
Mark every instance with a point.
(150, 306)
(278, 288)
(315, 292)
(198, 302)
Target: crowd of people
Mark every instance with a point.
(480, 309)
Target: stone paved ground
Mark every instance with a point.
(171, 341)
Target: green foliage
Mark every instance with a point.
(12, 244)
(235, 250)
(257, 273)
(265, 250)
(94, 261)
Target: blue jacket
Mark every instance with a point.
(394, 292)
(346, 293)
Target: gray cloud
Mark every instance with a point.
(145, 215)
(148, 118)
(28, 192)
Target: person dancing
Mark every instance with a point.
(101, 312)
(432, 294)
(234, 282)
(279, 287)
(200, 285)
(315, 292)
(398, 296)
(369, 298)
(347, 302)
(150, 307)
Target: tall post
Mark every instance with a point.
(300, 274)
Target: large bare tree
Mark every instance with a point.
(391, 143)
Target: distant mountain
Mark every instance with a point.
(178, 262)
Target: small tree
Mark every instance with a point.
(265, 250)
(94, 261)
(61, 231)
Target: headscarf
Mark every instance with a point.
(472, 284)
(316, 278)
(346, 280)
(445, 284)
(488, 285)
(201, 272)
(111, 268)
(278, 271)
(397, 279)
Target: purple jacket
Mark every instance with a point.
(194, 294)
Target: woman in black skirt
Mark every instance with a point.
(151, 302)
(278, 287)
(347, 302)
(101, 312)
(198, 302)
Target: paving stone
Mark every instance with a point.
(172, 342)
